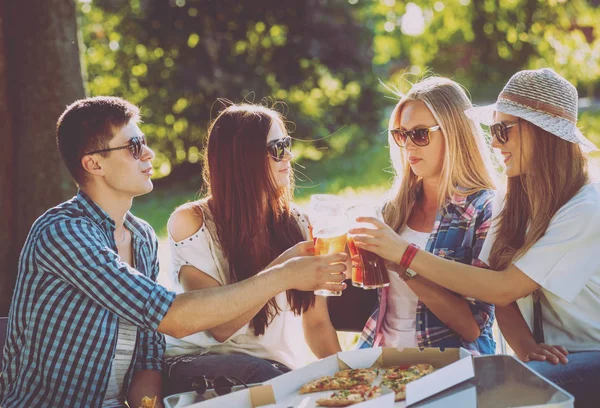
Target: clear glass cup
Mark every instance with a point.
(329, 228)
(368, 268)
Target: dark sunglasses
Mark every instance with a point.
(135, 145)
(222, 384)
(419, 137)
(277, 148)
(499, 130)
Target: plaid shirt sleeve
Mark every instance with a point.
(482, 311)
(151, 345)
(78, 252)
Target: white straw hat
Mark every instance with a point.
(543, 98)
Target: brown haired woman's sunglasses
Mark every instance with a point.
(276, 148)
(499, 130)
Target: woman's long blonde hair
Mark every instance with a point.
(467, 164)
(557, 170)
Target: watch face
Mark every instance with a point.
(411, 273)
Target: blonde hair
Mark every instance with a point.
(557, 170)
(467, 166)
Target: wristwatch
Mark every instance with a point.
(408, 274)
(407, 258)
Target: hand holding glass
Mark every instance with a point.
(328, 222)
(368, 268)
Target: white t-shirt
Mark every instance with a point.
(566, 264)
(283, 339)
(126, 339)
(399, 327)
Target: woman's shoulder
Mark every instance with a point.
(585, 204)
(482, 197)
(185, 221)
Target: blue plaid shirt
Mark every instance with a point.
(70, 293)
(458, 234)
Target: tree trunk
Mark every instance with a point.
(40, 73)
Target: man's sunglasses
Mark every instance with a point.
(135, 145)
(222, 384)
(419, 137)
(277, 148)
(499, 130)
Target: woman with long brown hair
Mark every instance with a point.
(544, 240)
(245, 222)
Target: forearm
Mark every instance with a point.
(322, 340)
(225, 331)
(452, 310)
(515, 330)
(470, 281)
(145, 384)
(319, 333)
(200, 310)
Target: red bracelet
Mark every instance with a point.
(409, 255)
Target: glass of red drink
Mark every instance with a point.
(368, 268)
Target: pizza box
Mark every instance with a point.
(454, 366)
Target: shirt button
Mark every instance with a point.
(420, 321)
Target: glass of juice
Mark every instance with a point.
(329, 228)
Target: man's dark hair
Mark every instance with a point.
(89, 124)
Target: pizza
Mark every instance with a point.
(396, 378)
(334, 383)
(398, 386)
(370, 373)
(148, 402)
(408, 372)
(354, 395)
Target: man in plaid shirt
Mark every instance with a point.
(89, 267)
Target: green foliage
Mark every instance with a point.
(481, 43)
(176, 58)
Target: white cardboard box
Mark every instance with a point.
(454, 366)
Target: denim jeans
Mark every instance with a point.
(580, 376)
(249, 369)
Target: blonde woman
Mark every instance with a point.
(441, 201)
(545, 237)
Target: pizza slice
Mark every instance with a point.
(148, 402)
(412, 372)
(398, 386)
(349, 397)
(333, 383)
(367, 373)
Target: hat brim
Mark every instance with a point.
(556, 125)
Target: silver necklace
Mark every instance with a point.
(122, 239)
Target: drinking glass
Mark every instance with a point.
(329, 228)
(368, 268)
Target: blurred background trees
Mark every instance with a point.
(323, 58)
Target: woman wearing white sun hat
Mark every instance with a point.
(544, 239)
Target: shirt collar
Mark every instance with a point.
(459, 198)
(97, 214)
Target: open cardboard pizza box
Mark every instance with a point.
(453, 366)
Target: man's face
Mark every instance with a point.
(122, 172)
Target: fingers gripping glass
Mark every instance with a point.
(419, 137)
(499, 130)
(277, 148)
(222, 384)
(135, 145)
